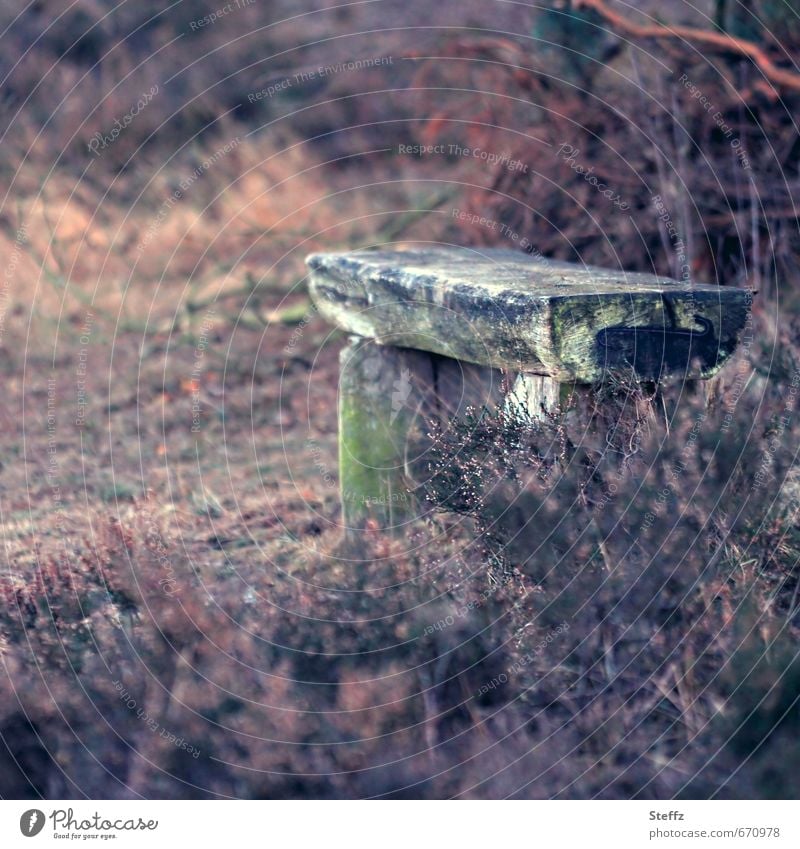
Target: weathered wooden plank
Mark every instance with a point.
(508, 310)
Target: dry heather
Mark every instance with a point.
(194, 631)
(179, 616)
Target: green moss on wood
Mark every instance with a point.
(370, 463)
(507, 310)
(378, 392)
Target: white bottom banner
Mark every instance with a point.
(396, 825)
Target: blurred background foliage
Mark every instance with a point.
(508, 78)
(296, 673)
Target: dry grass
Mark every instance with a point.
(205, 573)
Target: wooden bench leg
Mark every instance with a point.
(388, 397)
(533, 396)
(382, 393)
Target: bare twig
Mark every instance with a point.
(779, 77)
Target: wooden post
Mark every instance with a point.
(388, 399)
(382, 391)
(533, 395)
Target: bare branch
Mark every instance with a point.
(779, 77)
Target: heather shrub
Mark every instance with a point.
(666, 540)
(606, 603)
(146, 674)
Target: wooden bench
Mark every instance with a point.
(435, 330)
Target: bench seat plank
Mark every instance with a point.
(509, 310)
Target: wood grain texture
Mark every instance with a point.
(514, 312)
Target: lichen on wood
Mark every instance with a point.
(508, 310)
(380, 393)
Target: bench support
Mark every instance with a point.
(388, 398)
(382, 392)
(534, 395)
